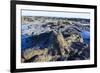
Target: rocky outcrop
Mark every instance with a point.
(59, 49)
(60, 43)
(32, 54)
(54, 40)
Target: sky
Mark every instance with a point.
(56, 14)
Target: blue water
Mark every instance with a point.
(26, 41)
(41, 41)
(86, 36)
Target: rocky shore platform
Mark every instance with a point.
(46, 39)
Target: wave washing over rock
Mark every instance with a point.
(54, 39)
